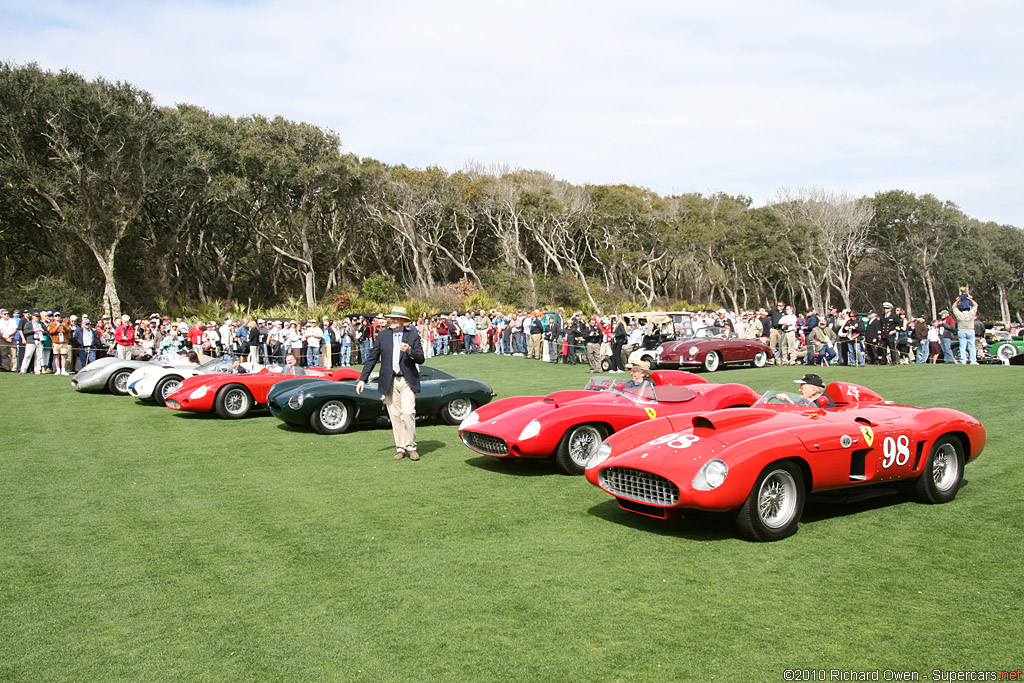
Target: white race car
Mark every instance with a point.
(154, 382)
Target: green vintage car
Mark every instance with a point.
(333, 407)
(1003, 346)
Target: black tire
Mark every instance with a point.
(606, 365)
(712, 361)
(775, 504)
(760, 359)
(333, 416)
(576, 447)
(456, 410)
(117, 383)
(943, 472)
(233, 402)
(164, 388)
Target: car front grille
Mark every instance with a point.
(485, 443)
(643, 487)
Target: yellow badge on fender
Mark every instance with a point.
(651, 413)
(869, 435)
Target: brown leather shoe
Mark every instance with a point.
(413, 455)
(401, 454)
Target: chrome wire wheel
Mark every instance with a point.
(583, 442)
(169, 387)
(333, 415)
(945, 467)
(457, 410)
(777, 499)
(121, 382)
(235, 400)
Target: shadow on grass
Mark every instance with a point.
(516, 467)
(695, 525)
(699, 525)
(212, 414)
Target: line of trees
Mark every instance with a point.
(136, 204)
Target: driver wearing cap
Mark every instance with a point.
(812, 392)
(640, 375)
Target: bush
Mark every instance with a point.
(506, 285)
(53, 294)
(379, 289)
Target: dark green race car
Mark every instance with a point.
(333, 407)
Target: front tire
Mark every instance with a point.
(578, 444)
(332, 417)
(712, 361)
(606, 365)
(1006, 352)
(760, 359)
(775, 504)
(117, 384)
(233, 402)
(457, 410)
(943, 472)
(164, 388)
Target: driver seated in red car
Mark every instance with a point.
(236, 366)
(640, 375)
(291, 367)
(812, 392)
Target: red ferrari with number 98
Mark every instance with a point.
(762, 462)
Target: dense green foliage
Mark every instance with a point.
(138, 204)
(138, 543)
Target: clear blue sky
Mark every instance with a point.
(743, 97)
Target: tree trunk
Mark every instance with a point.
(111, 302)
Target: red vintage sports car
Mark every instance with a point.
(762, 462)
(233, 396)
(569, 425)
(712, 348)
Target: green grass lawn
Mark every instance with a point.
(139, 543)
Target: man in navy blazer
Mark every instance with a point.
(399, 351)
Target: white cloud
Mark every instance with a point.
(743, 97)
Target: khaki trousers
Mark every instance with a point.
(594, 357)
(535, 342)
(401, 405)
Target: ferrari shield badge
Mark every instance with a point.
(651, 413)
(869, 434)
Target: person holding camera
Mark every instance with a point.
(965, 310)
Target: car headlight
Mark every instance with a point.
(470, 420)
(693, 350)
(711, 476)
(531, 430)
(198, 393)
(603, 452)
(660, 350)
(295, 402)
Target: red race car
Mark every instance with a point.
(762, 462)
(569, 425)
(712, 348)
(233, 396)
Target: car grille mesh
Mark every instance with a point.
(640, 486)
(485, 443)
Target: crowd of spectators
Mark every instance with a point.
(51, 342)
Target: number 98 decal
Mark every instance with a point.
(675, 440)
(896, 451)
